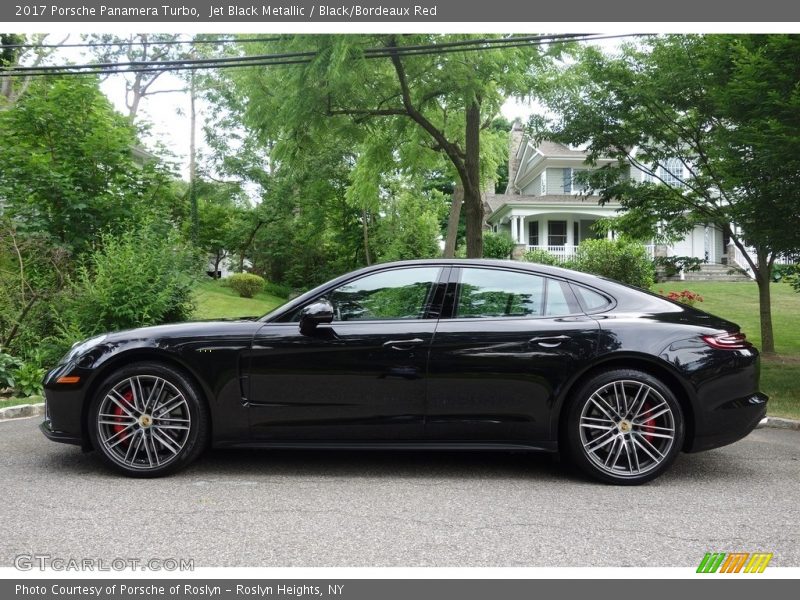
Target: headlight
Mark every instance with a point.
(79, 348)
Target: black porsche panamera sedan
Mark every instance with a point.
(435, 354)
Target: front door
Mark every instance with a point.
(362, 377)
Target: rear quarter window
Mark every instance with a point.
(590, 300)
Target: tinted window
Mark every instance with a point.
(591, 301)
(558, 297)
(494, 293)
(398, 294)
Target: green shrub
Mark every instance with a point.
(673, 265)
(141, 277)
(620, 259)
(28, 380)
(542, 257)
(246, 284)
(9, 366)
(497, 245)
(786, 273)
(276, 289)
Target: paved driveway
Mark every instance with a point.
(312, 508)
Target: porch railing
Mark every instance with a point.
(568, 251)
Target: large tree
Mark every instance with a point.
(67, 168)
(415, 106)
(726, 107)
(138, 47)
(17, 50)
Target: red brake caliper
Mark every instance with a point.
(117, 410)
(649, 425)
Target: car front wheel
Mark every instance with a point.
(148, 420)
(624, 427)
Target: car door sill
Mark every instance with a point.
(393, 445)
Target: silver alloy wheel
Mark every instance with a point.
(143, 422)
(627, 428)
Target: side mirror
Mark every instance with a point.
(312, 315)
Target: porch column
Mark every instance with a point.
(517, 229)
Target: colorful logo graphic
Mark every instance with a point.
(734, 562)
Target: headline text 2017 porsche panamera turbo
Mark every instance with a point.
(437, 354)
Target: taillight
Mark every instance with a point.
(727, 341)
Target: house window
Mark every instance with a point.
(533, 233)
(576, 233)
(672, 172)
(567, 181)
(556, 233)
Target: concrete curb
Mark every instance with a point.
(780, 423)
(22, 410)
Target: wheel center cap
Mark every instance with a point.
(145, 421)
(624, 426)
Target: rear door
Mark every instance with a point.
(505, 346)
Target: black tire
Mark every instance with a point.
(624, 427)
(148, 419)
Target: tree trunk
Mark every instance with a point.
(452, 221)
(365, 229)
(473, 213)
(763, 278)
(246, 246)
(473, 201)
(195, 229)
(217, 259)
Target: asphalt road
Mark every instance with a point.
(313, 508)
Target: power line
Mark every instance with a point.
(147, 43)
(294, 58)
(368, 52)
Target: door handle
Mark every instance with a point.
(403, 344)
(552, 341)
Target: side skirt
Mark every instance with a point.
(411, 445)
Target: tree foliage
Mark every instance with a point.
(143, 276)
(725, 107)
(424, 110)
(67, 168)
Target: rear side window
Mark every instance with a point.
(492, 293)
(590, 300)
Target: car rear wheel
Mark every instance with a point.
(624, 427)
(148, 420)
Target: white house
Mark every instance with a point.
(544, 207)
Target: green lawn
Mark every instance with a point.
(6, 402)
(215, 301)
(738, 302)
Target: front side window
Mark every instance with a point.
(388, 295)
(489, 293)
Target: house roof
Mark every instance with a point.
(549, 148)
(494, 202)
